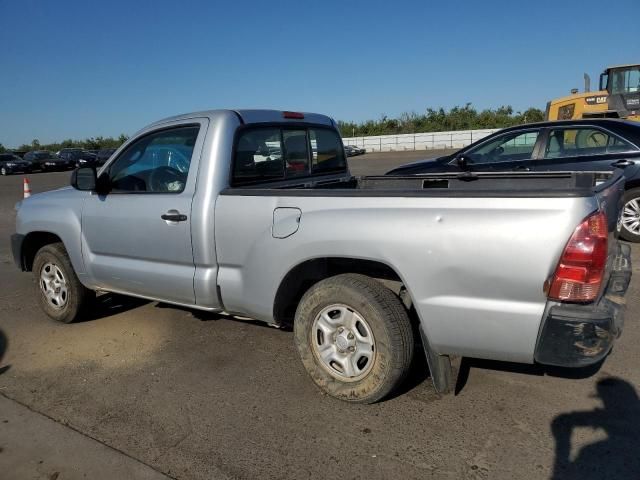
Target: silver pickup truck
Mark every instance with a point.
(254, 213)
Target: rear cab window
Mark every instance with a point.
(273, 153)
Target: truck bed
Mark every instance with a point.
(498, 184)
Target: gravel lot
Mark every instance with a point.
(195, 395)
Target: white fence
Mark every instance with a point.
(418, 141)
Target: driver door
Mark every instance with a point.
(137, 238)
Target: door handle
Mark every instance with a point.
(173, 217)
(622, 163)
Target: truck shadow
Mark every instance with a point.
(521, 368)
(205, 316)
(109, 304)
(614, 457)
(4, 343)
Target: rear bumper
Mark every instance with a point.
(576, 335)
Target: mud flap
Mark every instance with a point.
(443, 368)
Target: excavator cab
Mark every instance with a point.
(623, 87)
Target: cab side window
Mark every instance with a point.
(572, 142)
(156, 163)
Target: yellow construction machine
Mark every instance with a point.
(617, 97)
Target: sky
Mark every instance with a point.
(78, 69)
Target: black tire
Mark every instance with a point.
(388, 321)
(631, 194)
(77, 298)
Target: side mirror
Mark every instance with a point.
(464, 162)
(84, 179)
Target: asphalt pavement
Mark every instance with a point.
(149, 390)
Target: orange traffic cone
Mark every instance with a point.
(27, 188)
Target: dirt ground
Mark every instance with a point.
(195, 395)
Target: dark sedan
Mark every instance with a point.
(573, 145)
(37, 158)
(11, 163)
(86, 158)
(47, 162)
(104, 155)
(357, 150)
(72, 156)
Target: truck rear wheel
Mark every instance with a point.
(61, 295)
(354, 337)
(630, 230)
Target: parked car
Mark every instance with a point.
(103, 155)
(45, 161)
(39, 158)
(357, 150)
(71, 156)
(517, 267)
(596, 144)
(11, 163)
(86, 159)
(349, 151)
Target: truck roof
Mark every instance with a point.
(253, 116)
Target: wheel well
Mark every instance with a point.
(303, 276)
(33, 242)
(632, 184)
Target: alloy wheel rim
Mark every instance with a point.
(54, 285)
(631, 216)
(343, 342)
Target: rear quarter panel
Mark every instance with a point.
(474, 267)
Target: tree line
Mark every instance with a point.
(433, 120)
(92, 143)
(442, 120)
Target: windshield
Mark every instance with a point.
(4, 157)
(625, 80)
(42, 155)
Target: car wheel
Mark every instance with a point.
(354, 338)
(630, 218)
(4, 171)
(62, 297)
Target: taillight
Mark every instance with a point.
(580, 271)
(294, 115)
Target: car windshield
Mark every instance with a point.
(5, 157)
(42, 155)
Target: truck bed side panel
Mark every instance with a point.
(474, 267)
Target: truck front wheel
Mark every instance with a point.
(61, 295)
(354, 337)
